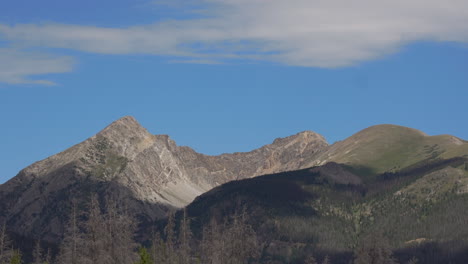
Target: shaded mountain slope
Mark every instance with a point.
(311, 210)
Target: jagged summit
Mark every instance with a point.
(305, 136)
(127, 120)
(123, 122)
(125, 126)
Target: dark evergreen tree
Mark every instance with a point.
(16, 257)
(144, 256)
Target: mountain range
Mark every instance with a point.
(381, 178)
(151, 171)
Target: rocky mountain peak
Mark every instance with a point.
(125, 126)
(304, 137)
(125, 137)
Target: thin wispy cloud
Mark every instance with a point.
(311, 33)
(195, 62)
(20, 67)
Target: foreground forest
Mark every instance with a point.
(105, 234)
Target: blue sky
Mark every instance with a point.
(226, 75)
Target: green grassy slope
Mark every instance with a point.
(390, 148)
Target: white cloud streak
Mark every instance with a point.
(18, 65)
(312, 33)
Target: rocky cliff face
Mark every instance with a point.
(149, 171)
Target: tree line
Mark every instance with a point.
(104, 233)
